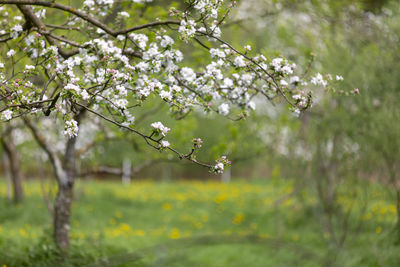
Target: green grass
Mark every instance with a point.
(199, 224)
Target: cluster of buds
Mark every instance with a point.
(222, 162)
(197, 142)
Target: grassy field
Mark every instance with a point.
(198, 224)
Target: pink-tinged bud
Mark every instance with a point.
(356, 91)
(38, 34)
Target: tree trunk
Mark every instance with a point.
(62, 212)
(14, 166)
(392, 175)
(398, 212)
(7, 176)
(65, 173)
(62, 206)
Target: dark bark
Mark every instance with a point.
(14, 166)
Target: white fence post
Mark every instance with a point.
(226, 175)
(126, 171)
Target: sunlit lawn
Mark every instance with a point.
(195, 224)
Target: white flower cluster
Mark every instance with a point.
(140, 39)
(219, 167)
(208, 7)
(124, 14)
(6, 115)
(15, 31)
(10, 53)
(223, 109)
(164, 143)
(319, 80)
(29, 67)
(187, 29)
(188, 74)
(281, 65)
(71, 128)
(160, 127)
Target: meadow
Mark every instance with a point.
(194, 223)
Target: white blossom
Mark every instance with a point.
(165, 143)
(29, 67)
(223, 109)
(247, 48)
(72, 87)
(187, 28)
(71, 128)
(277, 63)
(89, 3)
(166, 95)
(239, 61)
(16, 30)
(252, 105)
(6, 115)
(188, 74)
(219, 167)
(85, 95)
(121, 103)
(318, 80)
(10, 53)
(294, 79)
(124, 14)
(166, 41)
(159, 126)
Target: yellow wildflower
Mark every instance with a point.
(125, 227)
(238, 219)
(378, 230)
(167, 206)
(175, 234)
(23, 232)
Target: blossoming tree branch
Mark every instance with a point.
(89, 63)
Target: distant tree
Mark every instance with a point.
(13, 161)
(342, 138)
